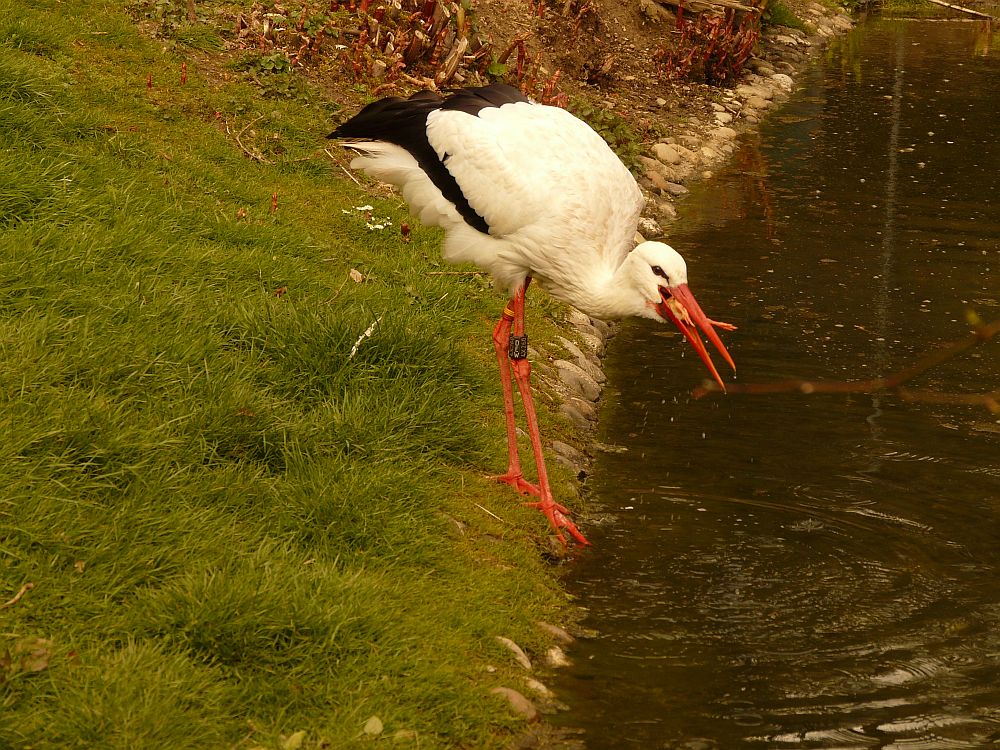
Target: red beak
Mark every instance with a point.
(680, 306)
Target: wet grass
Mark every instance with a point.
(236, 531)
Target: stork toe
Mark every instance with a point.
(518, 482)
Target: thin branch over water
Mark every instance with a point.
(892, 383)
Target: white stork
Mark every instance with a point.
(527, 191)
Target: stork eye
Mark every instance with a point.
(660, 272)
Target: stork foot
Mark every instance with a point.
(556, 514)
(516, 480)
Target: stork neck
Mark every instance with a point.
(613, 295)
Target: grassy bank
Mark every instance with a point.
(236, 531)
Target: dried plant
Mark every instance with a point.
(404, 43)
(712, 47)
(427, 42)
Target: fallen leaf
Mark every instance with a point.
(35, 653)
(356, 276)
(293, 741)
(280, 291)
(373, 727)
(79, 566)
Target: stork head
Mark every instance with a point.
(660, 274)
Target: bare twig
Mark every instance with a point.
(894, 382)
(255, 156)
(981, 333)
(334, 158)
(17, 597)
(963, 9)
(490, 512)
(329, 300)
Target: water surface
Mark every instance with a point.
(817, 571)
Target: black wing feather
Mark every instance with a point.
(403, 122)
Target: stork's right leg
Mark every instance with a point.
(514, 475)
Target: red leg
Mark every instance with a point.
(514, 476)
(522, 373)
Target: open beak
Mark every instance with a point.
(679, 305)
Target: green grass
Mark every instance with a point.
(777, 13)
(235, 530)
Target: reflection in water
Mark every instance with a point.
(814, 572)
(883, 296)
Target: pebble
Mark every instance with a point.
(658, 180)
(592, 338)
(686, 153)
(537, 687)
(519, 655)
(650, 227)
(576, 379)
(568, 452)
(521, 705)
(575, 417)
(791, 41)
(555, 657)
(666, 153)
(586, 408)
(649, 162)
(556, 632)
(604, 329)
(723, 118)
(589, 364)
(577, 318)
(672, 172)
(667, 211)
(784, 81)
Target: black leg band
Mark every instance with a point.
(517, 347)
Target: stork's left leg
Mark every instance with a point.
(522, 373)
(514, 476)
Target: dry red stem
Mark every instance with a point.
(713, 47)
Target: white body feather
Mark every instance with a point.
(561, 206)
